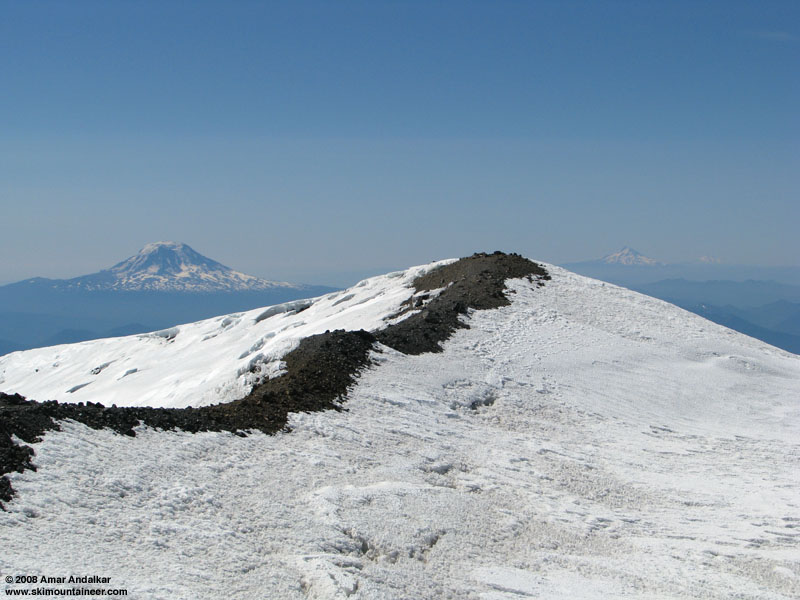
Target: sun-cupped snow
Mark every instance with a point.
(583, 442)
(202, 363)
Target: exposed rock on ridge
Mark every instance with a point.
(318, 372)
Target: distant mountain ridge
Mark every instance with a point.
(165, 267)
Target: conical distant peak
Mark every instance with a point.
(155, 246)
(167, 258)
(174, 267)
(173, 248)
(628, 256)
(169, 267)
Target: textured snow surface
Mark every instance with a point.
(211, 361)
(584, 442)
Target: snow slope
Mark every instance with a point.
(202, 363)
(583, 442)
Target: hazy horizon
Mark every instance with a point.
(304, 141)
(344, 278)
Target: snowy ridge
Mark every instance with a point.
(202, 363)
(584, 442)
(170, 267)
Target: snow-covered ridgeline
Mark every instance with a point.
(202, 363)
(583, 442)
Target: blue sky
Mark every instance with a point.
(322, 141)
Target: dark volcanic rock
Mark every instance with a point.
(476, 282)
(318, 372)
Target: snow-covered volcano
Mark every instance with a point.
(629, 257)
(583, 441)
(168, 267)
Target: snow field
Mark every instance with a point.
(202, 363)
(584, 442)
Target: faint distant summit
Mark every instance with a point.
(169, 267)
(629, 257)
(630, 268)
(710, 260)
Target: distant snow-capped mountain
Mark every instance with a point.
(163, 284)
(630, 257)
(169, 267)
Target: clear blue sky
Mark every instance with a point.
(320, 141)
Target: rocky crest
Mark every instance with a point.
(318, 372)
